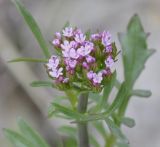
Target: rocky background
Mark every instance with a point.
(17, 98)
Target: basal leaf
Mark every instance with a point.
(31, 134)
(33, 26)
(28, 60)
(16, 139)
(134, 50)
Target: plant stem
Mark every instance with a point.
(82, 126)
(110, 141)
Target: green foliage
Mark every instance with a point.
(141, 93)
(135, 52)
(33, 27)
(26, 138)
(42, 84)
(28, 60)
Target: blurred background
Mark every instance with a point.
(17, 98)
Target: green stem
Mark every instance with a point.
(110, 141)
(82, 126)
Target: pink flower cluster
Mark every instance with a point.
(82, 59)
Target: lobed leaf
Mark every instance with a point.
(135, 52)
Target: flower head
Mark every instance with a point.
(86, 61)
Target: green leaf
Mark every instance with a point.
(129, 122)
(93, 141)
(107, 89)
(141, 93)
(64, 110)
(28, 60)
(69, 131)
(16, 139)
(88, 34)
(31, 134)
(33, 26)
(135, 52)
(42, 84)
(116, 132)
(67, 24)
(100, 128)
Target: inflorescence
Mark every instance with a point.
(84, 61)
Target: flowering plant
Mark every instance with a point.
(83, 69)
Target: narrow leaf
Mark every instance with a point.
(42, 84)
(31, 134)
(67, 130)
(64, 110)
(93, 141)
(116, 131)
(33, 26)
(16, 139)
(141, 93)
(28, 60)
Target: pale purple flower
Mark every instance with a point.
(53, 62)
(89, 46)
(55, 73)
(109, 62)
(108, 48)
(85, 65)
(77, 31)
(73, 44)
(56, 42)
(68, 32)
(80, 38)
(65, 80)
(97, 78)
(90, 59)
(70, 53)
(90, 75)
(58, 35)
(72, 63)
(66, 45)
(105, 72)
(85, 50)
(95, 36)
(106, 38)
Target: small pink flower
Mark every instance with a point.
(109, 62)
(68, 32)
(58, 35)
(85, 65)
(56, 42)
(90, 75)
(85, 50)
(95, 36)
(66, 45)
(55, 73)
(66, 80)
(80, 38)
(90, 59)
(72, 63)
(106, 38)
(70, 53)
(108, 48)
(53, 62)
(97, 78)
